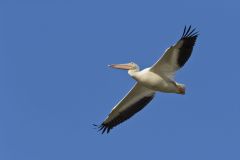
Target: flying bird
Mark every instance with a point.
(157, 78)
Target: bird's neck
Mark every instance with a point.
(133, 73)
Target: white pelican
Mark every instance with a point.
(159, 77)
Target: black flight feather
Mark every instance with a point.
(186, 43)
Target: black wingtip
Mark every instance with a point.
(184, 31)
(102, 128)
(189, 33)
(187, 40)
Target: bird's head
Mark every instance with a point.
(128, 66)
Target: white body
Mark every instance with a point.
(154, 81)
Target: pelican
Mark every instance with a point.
(158, 78)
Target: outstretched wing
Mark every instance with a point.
(177, 55)
(134, 101)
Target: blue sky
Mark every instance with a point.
(55, 81)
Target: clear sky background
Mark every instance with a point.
(55, 83)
